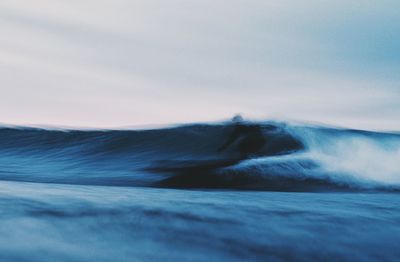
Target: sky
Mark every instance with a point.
(101, 63)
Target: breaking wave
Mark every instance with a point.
(295, 158)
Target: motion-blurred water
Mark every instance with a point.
(49, 222)
(90, 196)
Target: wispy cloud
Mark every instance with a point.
(112, 63)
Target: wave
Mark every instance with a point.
(294, 158)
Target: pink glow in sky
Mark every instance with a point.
(120, 63)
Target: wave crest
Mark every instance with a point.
(295, 158)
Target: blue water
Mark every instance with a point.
(315, 193)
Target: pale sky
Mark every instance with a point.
(98, 63)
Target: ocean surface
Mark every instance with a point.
(312, 194)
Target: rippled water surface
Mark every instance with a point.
(51, 222)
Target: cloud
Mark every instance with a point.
(102, 63)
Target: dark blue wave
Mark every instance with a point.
(294, 158)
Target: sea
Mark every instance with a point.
(313, 193)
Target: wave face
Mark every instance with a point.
(295, 158)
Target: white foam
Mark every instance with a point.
(374, 158)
